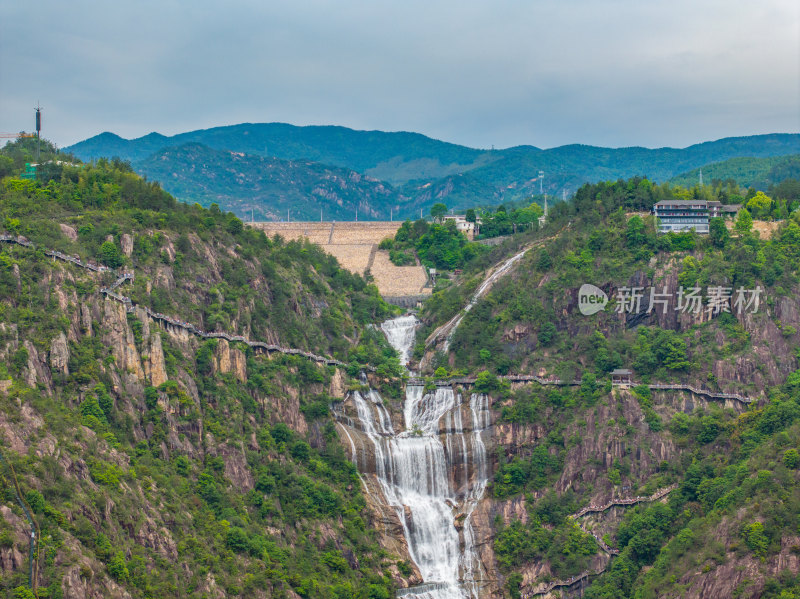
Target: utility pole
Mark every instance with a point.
(356, 213)
(320, 215)
(541, 190)
(288, 218)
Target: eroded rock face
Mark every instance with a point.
(738, 573)
(231, 360)
(59, 355)
(337, 386)
(156, 369)
(36, 370)
(11, 559)
(68, 232)
(121, 340)
(236, 468)
(86, 319)
(149, 534)
(126, 241)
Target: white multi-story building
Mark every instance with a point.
(682, 215)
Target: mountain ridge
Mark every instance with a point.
(266, 187)
(412, 164)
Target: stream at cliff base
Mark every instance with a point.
(431, 474)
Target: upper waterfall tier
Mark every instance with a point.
(400, 334)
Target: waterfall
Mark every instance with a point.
(400, 333)
(430, 473)
(448, 329)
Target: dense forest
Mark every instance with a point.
(162, 466)
(258, 166)
(763, 174)
(738, 488)
(155, 463)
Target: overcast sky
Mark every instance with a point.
(541, 72)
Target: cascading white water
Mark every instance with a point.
(427, 473)
(451, 326)
(400, 333)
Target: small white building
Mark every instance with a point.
(462, 224)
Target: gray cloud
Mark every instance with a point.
(541, 72)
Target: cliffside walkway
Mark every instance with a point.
(130, 306)
(625, 501)
(705, 392)
(543, 590)
(528, 378)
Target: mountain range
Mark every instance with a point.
(759, 173)
(264, 169)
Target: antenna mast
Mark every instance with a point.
(38, 110)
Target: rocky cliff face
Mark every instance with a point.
(150, 389)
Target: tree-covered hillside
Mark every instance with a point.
(268, 188)
(759, 173)
(418, 171)
(728, 518)
(156, 463)
(390, 156)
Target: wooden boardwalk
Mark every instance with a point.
(625, 501)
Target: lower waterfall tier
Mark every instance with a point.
(431, 475)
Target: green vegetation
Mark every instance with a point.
(726, 507)
(227, 475)
(439, 246)
(275, 186)
(604, 247)
(508, 220)
(105, 201)
(760, 173)
(565, 546)
(419, 172)
(200, 482)
(738, 496)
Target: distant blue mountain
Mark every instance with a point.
(418, 170)
(393, 157)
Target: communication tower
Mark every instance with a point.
(38, 110)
